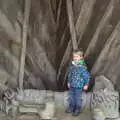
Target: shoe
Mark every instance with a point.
(68, 111)
(76, 113)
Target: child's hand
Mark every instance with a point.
(68, 85)
(85, 87)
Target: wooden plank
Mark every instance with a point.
(24, 40)
(58, 13)
(11, 58)
(103, 22)
(71, 24)
(105, 50)
(84, 17)
(80, 21)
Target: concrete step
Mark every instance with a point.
(59, 115)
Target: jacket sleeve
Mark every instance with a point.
(69, 75)
(86, 77)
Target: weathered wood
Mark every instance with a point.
(7, 27)
(12, 59)
(105, 50)
(62, 40)
(87, 14)
(84, 17)
(24, 40)
(52, 13)
(103, 22)
(71, 24)
(77, 5)
(58, 13)
(41, 65)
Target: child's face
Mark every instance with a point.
(77, 57)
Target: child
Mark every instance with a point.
(78, 79)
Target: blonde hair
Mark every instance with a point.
(78, 52)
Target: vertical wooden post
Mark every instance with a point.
(24, 39)
(71, 24)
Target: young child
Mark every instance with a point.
(78, 80)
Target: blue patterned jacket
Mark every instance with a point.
(78, 76)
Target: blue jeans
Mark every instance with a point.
(75, 99)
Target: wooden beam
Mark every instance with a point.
(58, 13)
(11, 58)
(86, 9)
(100, 60)
(84, 17)
(103, 22)
(24, 40)
(71, 24)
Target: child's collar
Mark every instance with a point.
(80, 62)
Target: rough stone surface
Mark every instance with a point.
(28, 117)
(48, 52)
(32, 96)
(101, 82)
(59, 115)
(106, 101)
(98, 114)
